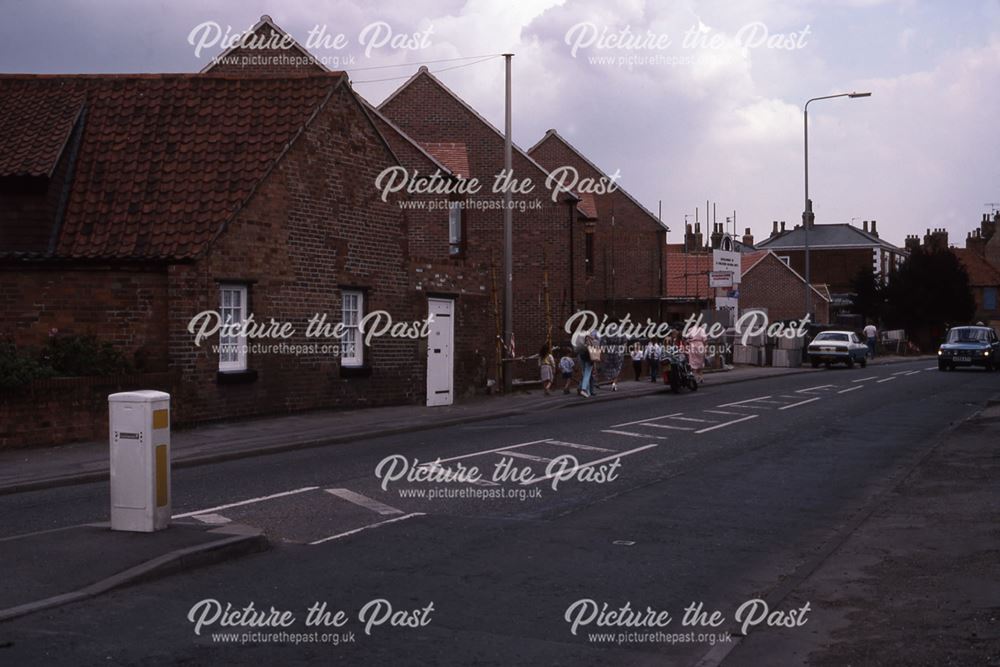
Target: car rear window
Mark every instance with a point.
(832, 336)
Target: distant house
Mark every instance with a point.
(984, 279)
(770, 283)
(837, 254)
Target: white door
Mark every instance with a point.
(440, 354)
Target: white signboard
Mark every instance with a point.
(720, 279)
(727, 260)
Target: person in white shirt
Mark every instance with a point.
(870, 335)
(653, 352)
(638, 353)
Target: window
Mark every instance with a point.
(455, 236)
(352, 310)
(588, 253)
(989, 298)
(233, 310)
(785, 259)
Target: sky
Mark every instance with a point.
(689, 100)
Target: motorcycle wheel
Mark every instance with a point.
(675, 381)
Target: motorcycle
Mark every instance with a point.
(677, 371)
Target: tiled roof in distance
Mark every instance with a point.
(35, 124)
(165, 160)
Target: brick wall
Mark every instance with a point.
(836, 267)
(126, 306)
(429, 114)
(627, 253)
(314, 226)
(769, 284)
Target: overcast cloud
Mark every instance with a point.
(725, 125)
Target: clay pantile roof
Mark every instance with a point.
(452, 154)
(748, 260)
(35, 126)
(165, 161)
(981, 272)
(687, 274)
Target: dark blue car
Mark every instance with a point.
(969, 346)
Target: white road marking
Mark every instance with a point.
(363, 501)
(635, 435)
(588, 464)
(521, 455)
(844, 391)
(373, 525)
(932, 368)
(901, 373)
(795, 405)
(725, 424)
(807, 389)
(642, 421)
(485, 451)
(668, 426)
(722, 412)
(249, 501)
(574, 445)
(749, 400)
(212, 519)
(913, 372)
(478, 482)
(873, 377)
(702, 421)
(886, 379)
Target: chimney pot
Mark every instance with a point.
(782, 225)
(874, 229)
(866, 225)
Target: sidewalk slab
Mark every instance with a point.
(54, 567)
(39, 468)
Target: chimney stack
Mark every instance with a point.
(865, 227)
(748, 238)
(774, 228)
(874, 230)
(716, 235)
(782, 226)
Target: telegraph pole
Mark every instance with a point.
(508, 239)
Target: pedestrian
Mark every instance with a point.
(547, 367)
(613, 352)
(580, 344)
(566, 366)
(871, 333)
(594, 354)
(696, 351)
(653, 352)
(637, 355)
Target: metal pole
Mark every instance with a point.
(508, 238)
(806, 207)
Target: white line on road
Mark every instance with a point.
(722, 412)
(673, 428)
(478, 482)
(807, 389)
(913, 372)
(574, 445)
(363, 501)
(635, 435)
(588, 464)
(485, 451)
(212, 519)
(844, 391)
(749, 400)
(886, 379)
(931, 368)
(795, 405)
(528, 457)
(725, 424)
(702, 421)
(901, 373)
(373, 525)
(641, 421)
(872, 377)
(246, 502)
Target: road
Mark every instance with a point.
(721, 496)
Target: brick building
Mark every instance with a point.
(770, 283)
(131, 203)
(619, 256)
(545, 291)
(837, 254)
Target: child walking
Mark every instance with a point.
(547, 365)
(566, 366)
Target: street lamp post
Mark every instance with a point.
(807, 213)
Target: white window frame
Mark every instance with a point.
(786, 259)
(231, 361)
(455, 240)
(352, 309)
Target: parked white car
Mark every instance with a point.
(837, 347)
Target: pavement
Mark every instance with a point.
(46, 467)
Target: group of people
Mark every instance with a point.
(605, 358)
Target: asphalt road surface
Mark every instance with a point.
(719, 497)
